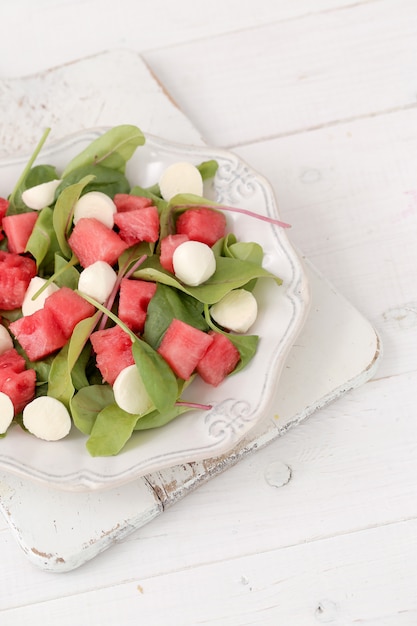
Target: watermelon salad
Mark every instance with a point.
(115, 297)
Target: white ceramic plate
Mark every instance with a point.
(243, 399)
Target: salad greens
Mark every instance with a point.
(71, 375)
(40, 174)
(112, 150)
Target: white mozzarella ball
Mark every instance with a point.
(97, 281)
(6, 342)
(29, 306)
(6, 412)
(194, 262)
(130, 393)
(95, 204)
(40, 196)
(181, 177)
(236, 311)
(47, 418)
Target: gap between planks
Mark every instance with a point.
(251, 28)
(188, 568)
(323, 126)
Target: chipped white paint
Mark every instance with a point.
(337, 544)
(106, 90)
(333, 374)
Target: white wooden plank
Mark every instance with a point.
(360, 452)
(96, 25)
(67, 76)
(291, 76)
(59, 539)
(350, 193)
(349, 467)
(329, 581)
(82, 101)
(70, 530)
(352, 467)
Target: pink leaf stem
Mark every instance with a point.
(232, 209)
(112, 297)
(195, 405)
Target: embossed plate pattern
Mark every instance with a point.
(241, 401)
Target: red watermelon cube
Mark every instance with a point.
(134, 298)
(168, 246)
(202, 224)
(15, 380)
(219, 361)
(127, 202)
(138, 225)
(18, 228)
(39, 334)
(68, 308)
(183, 346)
(113, 349)
(10, 361)
(4, 205)
(92, 241)
(48, 329)
(20, 388)
(16, 272)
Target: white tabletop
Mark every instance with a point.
(320, 97)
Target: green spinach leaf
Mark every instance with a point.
(208, 169)
(15, 199)
(43, 242)
(78, 372)
(65, 274)
(221, 247)
(112, 149)
(103, 179)
(87, 403)
(155, 419)
(112, 429)
(230, 274)
(60, 383)
(159, 380)
(167, 304)
(64, 211)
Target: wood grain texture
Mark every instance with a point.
(286, 78)
(80, 103)
(329, 581)
(320, 97)
(98, 25)
(350, 194)
(345, 479)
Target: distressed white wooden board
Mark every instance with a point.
(328, 581)
(295, 75)
(94, 25)
(357, 360)
(353, 463)
(353, 467)
(68, 530)
(104, 90)
(336, 351)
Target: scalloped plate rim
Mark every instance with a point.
(86, 478)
